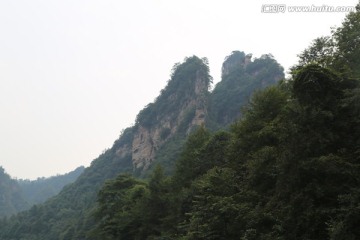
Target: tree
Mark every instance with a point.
(214, 210)
(321, 52)
(348, 43)
(187, 163)
(156, 206)
(119, 202)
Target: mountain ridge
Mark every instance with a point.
(157, 137)
(18, 194)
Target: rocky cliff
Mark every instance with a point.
(180, 107)
(186, 103)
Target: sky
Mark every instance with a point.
(73, 74)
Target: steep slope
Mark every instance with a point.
(180, 107)
(157, 137)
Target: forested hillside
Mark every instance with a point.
(11, 196)
(18, 195)
(240, 78)
(41, 189)
(289, 169)
(191, 168)
(158, 136)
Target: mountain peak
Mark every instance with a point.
(234, 61)
(180, 107)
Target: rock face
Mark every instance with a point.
(186, 103)
(180, 107)
(144, 146)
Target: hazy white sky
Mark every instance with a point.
(73, 74)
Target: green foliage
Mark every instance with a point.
(168, 153)
(314, 85)
(240, 78)
(38, 191)
(12, 199)
(179, 89)
(289, 169)
(126, 137)
(321, 52)
(68, 215)
(165, 132)
(131, 209)
(157, 205)
(340, 51)
(348, 43)
(20, 195)
(117, 215)
(187, 165)
(214, 207)
(284, 171)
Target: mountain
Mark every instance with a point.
(19, 195)
(41, 189)
(240, 78)
(11, 195)
(157, 136)
(288, 169)
(181, 106)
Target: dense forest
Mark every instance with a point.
(259, 157)
(289, 169)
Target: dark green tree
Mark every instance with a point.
(187, 164)
(119, 208)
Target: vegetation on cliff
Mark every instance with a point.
(157, 137)
(288, 169)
